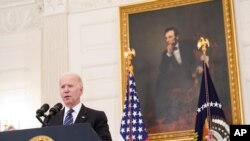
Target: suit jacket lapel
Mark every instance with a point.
(82, 115)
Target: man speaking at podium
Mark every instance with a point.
(71, 89)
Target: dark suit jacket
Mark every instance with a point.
(173, 75)
(97, 119)
(175, 81)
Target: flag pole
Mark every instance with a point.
(210, 119)
(203, 44)
(129, 70)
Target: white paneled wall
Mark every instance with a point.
(20, 70)
(94, 54)
(54, 56)
(242, 10)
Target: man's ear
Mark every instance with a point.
(81, 88)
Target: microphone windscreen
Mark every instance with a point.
(44, 108)
(55, 109)
(58, 106)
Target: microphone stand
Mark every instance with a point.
(46, 120)
(41, 121)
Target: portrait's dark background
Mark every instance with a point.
(146, 35)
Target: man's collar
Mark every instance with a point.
(176, 45)
(76, 108)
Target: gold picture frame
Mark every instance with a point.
(141, 28)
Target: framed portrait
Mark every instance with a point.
(169, 103)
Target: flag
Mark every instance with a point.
(132, 125)
(210, 120)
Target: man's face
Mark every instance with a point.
(71, 90)
(170, 38)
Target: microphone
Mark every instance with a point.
(44, 108)
(53, 111)
(40, 112)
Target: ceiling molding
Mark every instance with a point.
(14, 3)
(86, 5)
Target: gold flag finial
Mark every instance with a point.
(128, 56)
(203, 43)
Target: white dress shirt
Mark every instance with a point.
(75, 113)
(177, 54)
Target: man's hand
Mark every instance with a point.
(170, 49)
(199, 69)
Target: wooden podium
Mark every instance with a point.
(75, 132)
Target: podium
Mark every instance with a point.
(75, 132)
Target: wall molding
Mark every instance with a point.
(86, 5)
(15, 19)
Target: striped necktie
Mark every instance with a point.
(69, 118)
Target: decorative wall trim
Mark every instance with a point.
(85, 5)
(53, 7)
(14, 3)
(20, 18)
(19, 15)
(54, 55)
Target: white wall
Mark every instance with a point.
(94, 53)
(20, 70)
(242, 10)
(20, 63)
